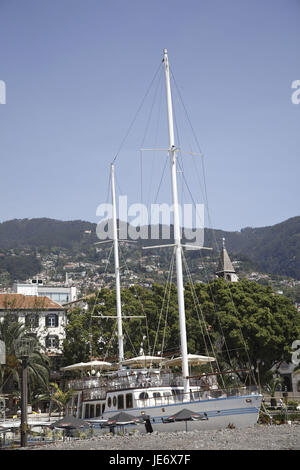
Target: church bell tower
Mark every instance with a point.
(225, 269)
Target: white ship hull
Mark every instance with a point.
(241, 411)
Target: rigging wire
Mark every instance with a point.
(198, 308)
(168, 284)
(168, 302)
(138, 297)
(158, 119)
(95, 302)
(99, 290)
(129, 338)
(137, 113)
(208, 213)
(147, 128)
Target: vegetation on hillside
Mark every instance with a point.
(274, 249)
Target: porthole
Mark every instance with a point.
(109, 402)
(114, 400)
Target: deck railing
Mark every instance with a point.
(98, 386)
(94, 394)
(86, 383)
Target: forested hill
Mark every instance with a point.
(36, 233)
(274, 249)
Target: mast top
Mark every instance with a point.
(165, 59)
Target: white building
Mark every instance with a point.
(59, 294)
(41, 315)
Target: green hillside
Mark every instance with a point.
(274, 249)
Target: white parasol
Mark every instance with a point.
(193, 359)
(143, 361)
(88, 365)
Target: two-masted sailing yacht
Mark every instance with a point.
(145, 386)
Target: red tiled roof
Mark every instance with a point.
(27, 302)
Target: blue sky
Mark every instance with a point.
(76, 72)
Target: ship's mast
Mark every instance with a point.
(177, 234)
(117, 269)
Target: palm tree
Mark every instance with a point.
(38, 362)
(59, 397)
(10, 331)
(273, 385)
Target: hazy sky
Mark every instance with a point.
(76, 72)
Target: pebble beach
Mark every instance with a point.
(258, 437)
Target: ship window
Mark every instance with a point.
(167, 394)
(98, 410)
(143, 396)
(114, 400)
(156, 394)
(129, 401)
(109, 402)
(120, 402)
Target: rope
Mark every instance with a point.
(145, 134)
(168, 304)
(209, 218)
(155, 142)
(198, 308)
(136, 114)
(170, 273)
(138, 297)
(95, 302)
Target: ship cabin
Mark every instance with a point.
(130, 390)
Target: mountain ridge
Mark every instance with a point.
(274, 249)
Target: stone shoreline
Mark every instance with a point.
(258, 437)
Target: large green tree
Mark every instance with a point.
(242, 323)
(257, 325)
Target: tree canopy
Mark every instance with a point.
(242, 324)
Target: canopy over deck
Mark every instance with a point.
(96, 365)
(143, 361)
(193, 359)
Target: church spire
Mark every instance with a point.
(225, 269)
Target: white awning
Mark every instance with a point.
(193, 359)
(96, 365)
(77, 366)
(143, 361)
